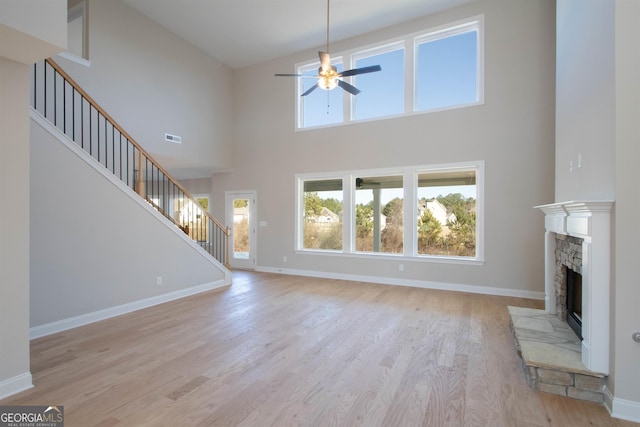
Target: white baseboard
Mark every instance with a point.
(15, 385)
(406, 282)
(84, 319)
(621, 408)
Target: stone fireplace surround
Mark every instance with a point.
(591, 222)
(568, 255)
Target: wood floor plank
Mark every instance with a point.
(274, 350)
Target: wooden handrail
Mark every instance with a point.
(142, 151)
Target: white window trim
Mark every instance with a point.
(409, 43)
(410, 184)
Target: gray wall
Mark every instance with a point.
(153, 82)
(513, 132)
(93, 246)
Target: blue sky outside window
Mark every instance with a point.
(447, 72)
(382, 92)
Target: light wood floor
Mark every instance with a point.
(276, 350)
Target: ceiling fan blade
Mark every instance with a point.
(311, 89)
(325, 61)
(363, 70)
(295, 75)
(349, 88)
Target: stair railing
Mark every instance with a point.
(57, 97)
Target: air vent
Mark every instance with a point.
(172, 138)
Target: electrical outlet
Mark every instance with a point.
(401, 267)
(284, 258)
(159, 280)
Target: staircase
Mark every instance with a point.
(60, 100)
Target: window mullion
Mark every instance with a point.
(409, 75)
(348, 217)
(410, 242)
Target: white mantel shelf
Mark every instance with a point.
(590, 221)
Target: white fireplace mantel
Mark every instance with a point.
(590, 221)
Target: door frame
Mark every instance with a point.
(251, 195)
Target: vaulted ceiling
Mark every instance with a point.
(241, 33)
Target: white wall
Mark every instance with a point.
(153, 82)
(585, 101)
(93, 246)
(597, 98)
(513, 133)
(24, 38)
(625, 354)
(31, 30)
(14, 225)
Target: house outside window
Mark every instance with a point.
(322, 214)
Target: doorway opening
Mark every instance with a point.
(241, 217)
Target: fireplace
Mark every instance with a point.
(578, 239)
(574, 300)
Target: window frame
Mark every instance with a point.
(409, 42)
(410, 192)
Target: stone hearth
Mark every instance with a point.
(551, 356)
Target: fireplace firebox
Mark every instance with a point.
(574, 300)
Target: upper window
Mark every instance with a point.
(447, 69)
(444, 71)
(320, 107)
(382, 92)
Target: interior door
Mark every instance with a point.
(241, 218)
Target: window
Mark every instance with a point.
(365, 212)
(447, 211)
(320, 107)
(443, 69)
(322, 214)
(379, 214)
(447, 69)
(382, 92)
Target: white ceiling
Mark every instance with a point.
(241, 33)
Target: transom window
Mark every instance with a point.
(369, 213)
(443, 70)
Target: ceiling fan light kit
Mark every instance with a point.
(328, 76)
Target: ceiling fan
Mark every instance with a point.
(328, 76)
